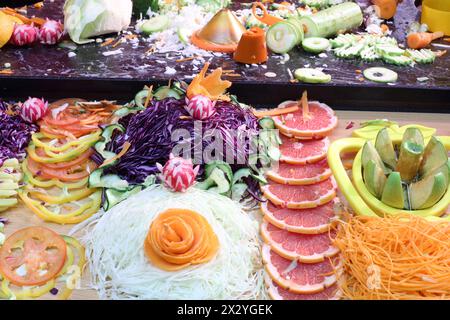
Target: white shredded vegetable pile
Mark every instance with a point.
(120, 270)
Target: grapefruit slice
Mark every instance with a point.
(307, 248)
(320, 123)
(278, 293)
(300, 197)
(299, 277)
(309, 221)
(287, 173)
(296, 151)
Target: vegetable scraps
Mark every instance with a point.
(402, 257)
(120, 269)
(179, 238)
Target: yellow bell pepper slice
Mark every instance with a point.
(81, 214)
(81, 263)
(36, 138)
(56, 157)
(28, 177)
(63, 198)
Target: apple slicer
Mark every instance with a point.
(355, 191)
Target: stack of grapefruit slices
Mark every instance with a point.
(299, 257)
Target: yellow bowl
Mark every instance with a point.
(436, 14)
(356, 193)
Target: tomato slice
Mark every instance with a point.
(32, 256)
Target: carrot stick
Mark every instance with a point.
(124, 150)
(305, 106)
(149, 96)
(275, 112)
(420, 40)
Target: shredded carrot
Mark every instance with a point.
(118, 42)
(6, 71)
(149, 96)
(186, 59)
(402, 257)
(124, 150)
(440, 53)
(275, 112)
(384, 28)
(447, 39)
(107, 42)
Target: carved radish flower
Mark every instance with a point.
(23, 35)
(51, 32)
(200, 107)
(178, 173)
(33, 109)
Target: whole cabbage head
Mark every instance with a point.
(84, 19)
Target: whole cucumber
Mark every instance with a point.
(331, 21)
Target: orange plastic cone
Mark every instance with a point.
(252, 47)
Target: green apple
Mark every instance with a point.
(385, 148)
(7, 193)
(8, 202)
(393, 191)
(8, 185)
(414, 135)
(409, 160)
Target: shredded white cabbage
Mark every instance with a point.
(120, 270)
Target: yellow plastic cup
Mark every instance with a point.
(436, 14)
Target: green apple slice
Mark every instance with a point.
(370, 153)
(385, 148)
(428, 191)
(434, 156)
(374, 178)
(393, 191)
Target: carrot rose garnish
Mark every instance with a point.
(179, 238)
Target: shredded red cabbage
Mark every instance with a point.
(15, 135)
(150, 136)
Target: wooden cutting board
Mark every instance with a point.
(21, 216)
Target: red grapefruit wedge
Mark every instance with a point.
(299, 277)
(278, 293)
(300, 197)
(320, 123)
(307, 248)
(287, 173)
(310, 221)
(296, 151)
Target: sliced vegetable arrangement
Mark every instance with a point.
(35, 261)
(58, 166)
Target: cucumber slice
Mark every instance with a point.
(106, 138)
(421, 56)
(222, 165)
(110, 181)
(282, 37)
(315, 44)
(398, 60)
(389, 50)
(113, 197)
(349, 52)
(369, 54)
(241, 173)
(206, 184)
(156, 24)
(237, 191)
(223, 185)
(140, 98)
(378, 74)
(166, 92)
(184, 35)
(310, 75)
(343, 40)
(267, 123)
